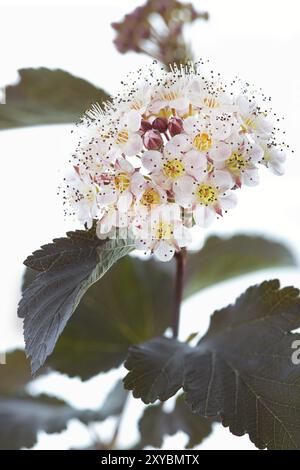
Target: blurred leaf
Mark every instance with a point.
(224, 258)
(22, 416)
(45, 96)
(131, 304)
(115, 401)
(156, 423)
(15, 374)
(69, 266)
(241, 370)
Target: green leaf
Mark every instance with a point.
(156, 423)
(224, 258)
(22, 416)
(44, 96)
(131, 304)
(68, 267)
(241, 370)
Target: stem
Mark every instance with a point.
(117, 428)
(180, 258)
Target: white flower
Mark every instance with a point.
(274, 159)
(171, 148)
(161, 231)
(211, 196)
(172, 94)
(174, 163)
(82, 193)
(126, 139)
(139, 100)
(120, 186)
(209, 97)
(207, 137)
(253, 120)
(242, 163)
(150, 195)
(112, 219)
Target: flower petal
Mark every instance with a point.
(137, 183)
(228, 201)
(220, 151)
(124, 201)
(250, 177)
(133, 120)
(222, 180)
(164, 250)
(133, 146)
(107, 195)
(152, 160)
(204, 216)
(194, 160)
(124, 165)
(183, 189)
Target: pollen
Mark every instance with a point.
(165, 112)
(250, 123)
(236, 163)
(89, 196)
(211, 102)
(136, 105)
(122, 137)
(207, 194)
(173, 168)
(122, 181)
(164, 231)
(172, 95)
(150, 197)
(203, 142)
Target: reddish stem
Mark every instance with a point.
(180, 258)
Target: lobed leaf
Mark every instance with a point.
(241, 370)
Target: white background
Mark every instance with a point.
(258, 41)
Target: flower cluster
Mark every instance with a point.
(170, 151)
(141, 30)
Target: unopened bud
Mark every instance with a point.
(145, 126)
(160, 124)
(175, 126)
(152, 140)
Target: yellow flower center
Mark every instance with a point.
(165, 112)
(150, 197)
(211, 102)
(250, 123)
(136, 105)
(122, 137)
(203, 142)
(190, 112)
(210, 167)
(173, 168)
(236, 163)
(207, 194)
(122, 181)
(164, 231)
(170, 96)
(89, 196)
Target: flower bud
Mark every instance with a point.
(145, 126)
(152, 140)
(175, 126)
(160, 124)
